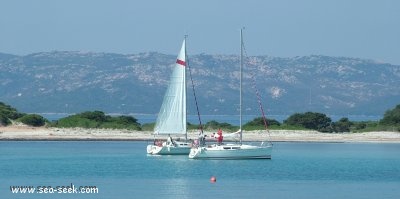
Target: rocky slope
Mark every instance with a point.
(116, 83)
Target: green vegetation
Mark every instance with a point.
(97, 119)
(8, 113)
(389, 122)
(319, 122)
(310, 120)
(148, 126)
(191, 126)
(343, 125)
(391, 117)
(4, 121)
(33, 120)
(297, 121)
(258, 124)
(213, 125)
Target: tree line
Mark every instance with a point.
(300, 121)
(9, 114)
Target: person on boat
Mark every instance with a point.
(169, 140)
(196, 142)
(157, 143)
(202, 140)
(219, 137)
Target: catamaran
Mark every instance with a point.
(171, 119)
(236, 150)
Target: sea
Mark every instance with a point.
(123, 170)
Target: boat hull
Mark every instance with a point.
(231, 151)
(180, 148)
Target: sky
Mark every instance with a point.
(285, 28)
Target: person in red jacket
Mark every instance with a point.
(220, 137)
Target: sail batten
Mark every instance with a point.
(172, 116)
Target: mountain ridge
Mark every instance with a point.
(75, 81)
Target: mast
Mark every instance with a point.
(186, 60)
(241, 76)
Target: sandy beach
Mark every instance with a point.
(43, 133)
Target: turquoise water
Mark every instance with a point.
(123, 170)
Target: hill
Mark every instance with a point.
(71, 82)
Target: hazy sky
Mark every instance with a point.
(352, 28)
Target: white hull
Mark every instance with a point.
(235, 151)
(231, 151)
(179, 148)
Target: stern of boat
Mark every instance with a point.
(153, 149)
(150, 149)
(194, 152)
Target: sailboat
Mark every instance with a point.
(236, 150)
(171, 119)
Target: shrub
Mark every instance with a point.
(97, 116)
(343, 125)
(213, 125)
(359, 125)
(4, 121)
(258, 124)
(7, 112)
(33, 120)
(310, 120)
(97, 119)
(191, 126)
(148, 126)
(392, 117)
(76, 121)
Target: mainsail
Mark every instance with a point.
(172, 116)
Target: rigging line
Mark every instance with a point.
(194, 94)
(253, 77)
(260, 105)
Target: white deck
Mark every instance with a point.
(231, 151)
(178, 148)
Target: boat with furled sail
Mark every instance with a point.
(236, 150)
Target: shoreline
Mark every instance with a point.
(26, 133)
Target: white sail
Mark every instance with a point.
(172, 116)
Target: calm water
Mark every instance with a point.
(123, 170)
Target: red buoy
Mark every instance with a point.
(213, 179)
